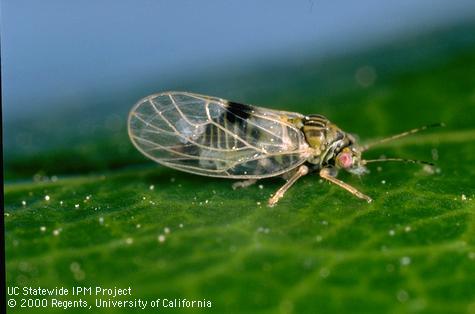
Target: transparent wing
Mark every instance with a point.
(215, 137)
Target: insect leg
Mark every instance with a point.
(325, 174)
(243, 184)
(301, 171)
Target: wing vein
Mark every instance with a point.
(177, 133)
(180, 112)
(227, 131)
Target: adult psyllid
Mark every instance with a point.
(100, 291)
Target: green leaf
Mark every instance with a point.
(98, 214)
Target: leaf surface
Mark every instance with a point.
(98, 214)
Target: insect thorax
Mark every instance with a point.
(324, 137)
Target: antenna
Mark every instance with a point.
(421, 162)
(397, 136)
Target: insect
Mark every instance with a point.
(215, 137)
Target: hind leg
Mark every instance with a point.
(243, 184)
(301, 171)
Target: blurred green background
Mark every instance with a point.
(84, 208)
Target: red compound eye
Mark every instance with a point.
(345, 160)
